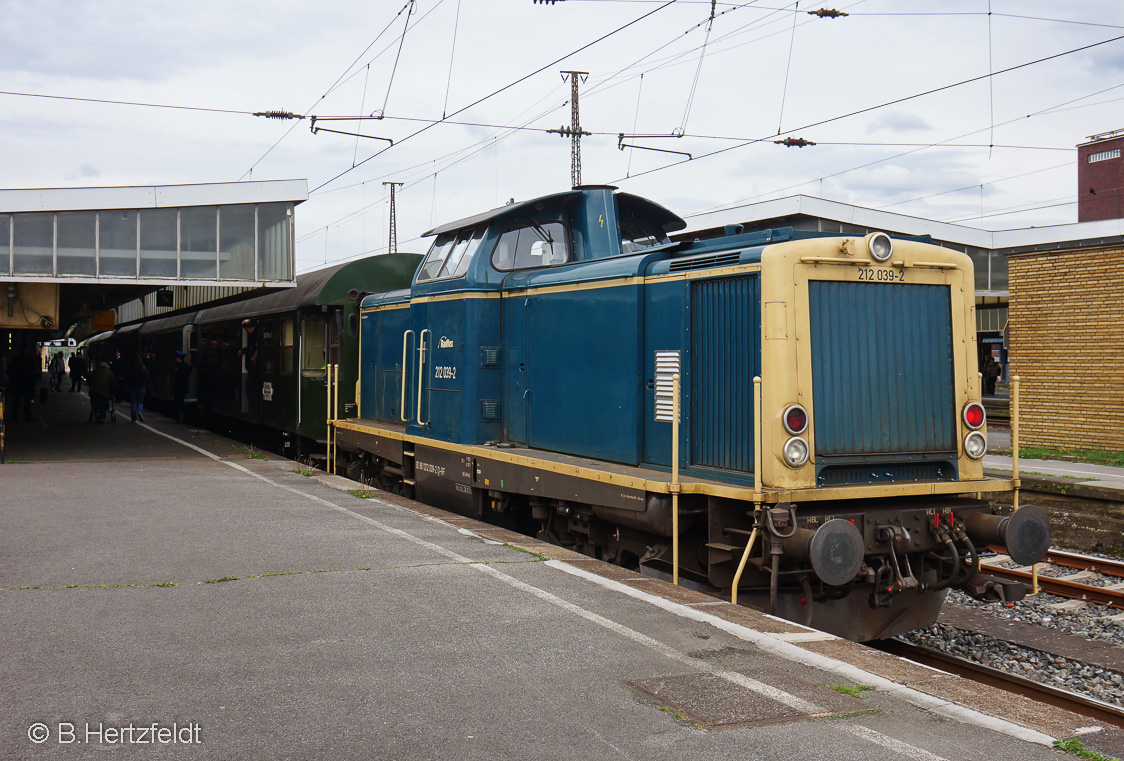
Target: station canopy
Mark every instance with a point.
(96, 248)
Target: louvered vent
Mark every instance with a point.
(705, 262)
(489, 409)
(667, 365)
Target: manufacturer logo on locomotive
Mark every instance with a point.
(444, 343)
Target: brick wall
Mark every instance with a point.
(1067, 346)
(1100, 185)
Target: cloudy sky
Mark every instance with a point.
(897, 95)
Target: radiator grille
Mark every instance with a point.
(725, 355)
(882, 368)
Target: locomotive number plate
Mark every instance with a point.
(881, 274)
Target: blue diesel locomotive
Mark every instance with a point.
(528, 377)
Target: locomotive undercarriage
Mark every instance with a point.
(893, 580)
(860, 569)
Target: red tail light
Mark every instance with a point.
(795, 419)
(974, 415)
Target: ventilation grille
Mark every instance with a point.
(667, 366)
(837, 475)
(705, 262)
(489, 409)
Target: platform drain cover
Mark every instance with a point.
(711, 701)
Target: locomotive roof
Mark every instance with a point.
(329, 285)
(663, 216)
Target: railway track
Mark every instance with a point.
(1043, 693)
(1084, 568)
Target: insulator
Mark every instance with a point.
(828, 13)
(794, 142)
(277, 114)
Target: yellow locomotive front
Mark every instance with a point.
(872, 490)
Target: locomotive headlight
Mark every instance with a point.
(880, 245)
(795, 452)
(975, 445)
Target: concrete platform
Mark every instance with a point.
(153, 574)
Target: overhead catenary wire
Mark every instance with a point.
(452, 50)
(397, 56)
(698, 72)
(339, 81)
(506, 87)
(127, 103)
(1040, 112)
(788, 67)
(892, 102)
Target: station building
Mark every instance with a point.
(70, 256)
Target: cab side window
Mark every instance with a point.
(532, 245)
(450, 254)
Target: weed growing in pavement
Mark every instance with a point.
(1094, 456)
(849, 714)
(250, 452)
(683, 717)
(1077, 748)
(1051, 475)
(305, 473)
(217, 581)
(855, 692)
(361, 493)
(529, 552)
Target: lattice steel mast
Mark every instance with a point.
(393, 247)
(575, 126)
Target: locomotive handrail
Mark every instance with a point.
(1015, 465)
(328, 415)
(332, 410)
(758, 496)
(833, 260)
(675, 478)
(402, 404)
(421, 372)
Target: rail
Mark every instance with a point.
(1069, 586)
(1042, 693)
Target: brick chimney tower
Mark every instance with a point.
(1100, 177)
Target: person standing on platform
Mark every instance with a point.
(990, 374)
(181, 375)
(23, 380)
(117, 367)
(136, 378)
(57, 371)
(100, 384)
(77, 371)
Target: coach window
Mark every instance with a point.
(287, 347)
(313, 344)
(534, 245)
